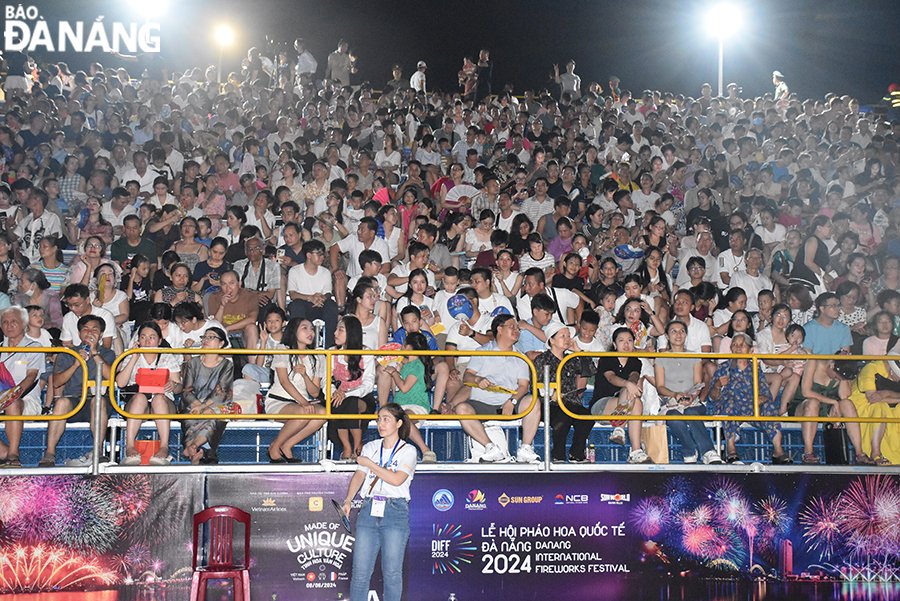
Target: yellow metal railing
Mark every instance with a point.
(328, 415)
(754, 359)
(84, 384)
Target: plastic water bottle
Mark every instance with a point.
(319, 327)
(592, 454)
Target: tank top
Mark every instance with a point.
(371, 334)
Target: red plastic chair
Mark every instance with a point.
(220, 556)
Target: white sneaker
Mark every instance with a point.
(84, 461)
(690, 458)
(526, 454)
(639, 456)
(712, 458)
(131, 460)
(618, 436)
(494, 454)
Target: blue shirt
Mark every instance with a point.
(529, 342)
(821, 340)
(400, 338)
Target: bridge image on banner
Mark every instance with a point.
(477, 535)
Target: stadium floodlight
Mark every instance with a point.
(723, 21)
(224, 37)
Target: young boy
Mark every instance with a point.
(532, 340)
(370, 263)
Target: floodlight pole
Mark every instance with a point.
(222, 49)
(721, 65)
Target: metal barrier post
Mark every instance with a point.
(547, 455)
(96, 415)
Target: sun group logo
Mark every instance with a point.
(442, 499)
(616, 499)
(26, 30)
(475, 500)
(505, 500)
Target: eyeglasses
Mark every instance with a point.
(831, 305)
(93, 245)
(210, 337)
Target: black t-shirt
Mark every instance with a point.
(602, 387)
(561, 281)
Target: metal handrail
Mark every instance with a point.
(754, 358)
(328, 415)
(84, 384)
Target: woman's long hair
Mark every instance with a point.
(289, 339)
(353, 342)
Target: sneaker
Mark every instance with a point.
(711, 458)
(690, 458)
(83, 461)
(429, 457)
(639, 456)
(131, 460)
(159, 461)
(526, 454)
(617, 436)
(493, 454)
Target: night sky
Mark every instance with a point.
(821, 46)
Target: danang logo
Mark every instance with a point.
(26, 30)
(475, 500)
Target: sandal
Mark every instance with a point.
(863, 459)
(783, 459)
(879, 460)
(808, 459)
(11, 461)
(733, 458)
(48, 460)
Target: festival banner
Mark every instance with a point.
(126, 533)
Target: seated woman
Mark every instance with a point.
(353, 378)
(618, 388)
(826, 394)
(207, 381)
(874, 393)
(559, 341)
(180, 290)
(295, 391)
(193, 324)
(679, 382)
(732, 394)
(149, 337)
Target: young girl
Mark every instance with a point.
(136, 286)
(415, 296)
(735, 300)
(271, 333)
(411, 384)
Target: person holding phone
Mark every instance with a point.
(385, 471)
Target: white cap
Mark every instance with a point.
(421, 64)
(778, 74)
(551, 329)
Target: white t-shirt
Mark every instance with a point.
(465, 343)
(403, 459)
(730, 264)
(565, 300)
(162, 361)
(300, 281)
(315, 366)
(752, 285)
(31, 231)
(487, 305)
(644, 202)
(19, 364)
(70, 326)
(768, 237)
(697, 337)
(506, 372)
(402, 271)
(354, 247)
(117, 220)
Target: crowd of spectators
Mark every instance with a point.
(280, 210)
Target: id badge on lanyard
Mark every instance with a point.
(379, 501)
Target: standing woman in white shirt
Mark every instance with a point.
(385, 471)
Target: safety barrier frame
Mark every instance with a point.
(85, 383)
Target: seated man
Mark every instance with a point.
(236, 308)
(25, 368)
(77, 297)
(66, 388)
(310, 292)
(498, 385)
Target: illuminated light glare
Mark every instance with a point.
(224, 35)
(724, 20)
(150, 11)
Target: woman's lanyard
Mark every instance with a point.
(381, 463)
